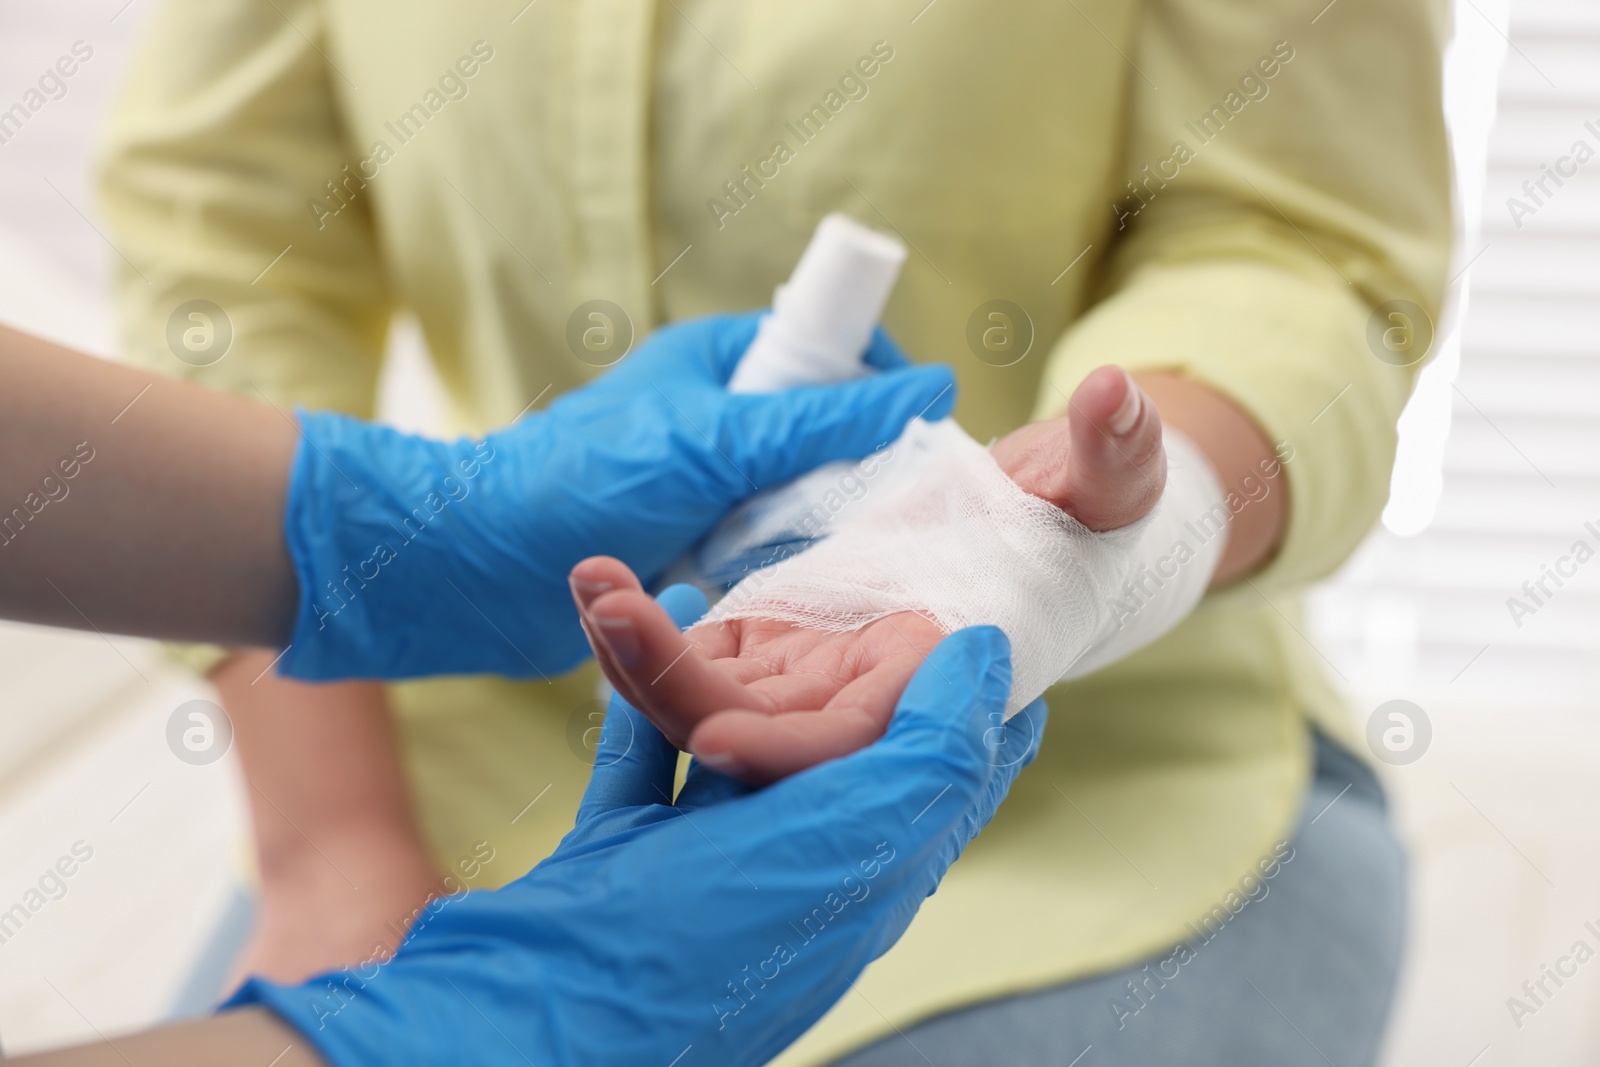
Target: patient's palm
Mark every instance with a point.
(758, 698)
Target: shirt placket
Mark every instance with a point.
(612, 70)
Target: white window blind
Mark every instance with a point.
(1429, 613)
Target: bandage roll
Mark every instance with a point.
(822, 318)
(816, 334)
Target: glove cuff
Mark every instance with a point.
(361, 498)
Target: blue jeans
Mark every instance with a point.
(1302, 975)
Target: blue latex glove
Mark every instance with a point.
(711, 931)
(421, 557)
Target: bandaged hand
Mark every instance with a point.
(420, 557)
(802, 663)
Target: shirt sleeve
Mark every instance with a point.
(1288, 179)
(225, 134)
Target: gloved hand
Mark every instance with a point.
(421, 557)
(714, 930)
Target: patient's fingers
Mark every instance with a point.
(791, 690)
(660, 671)
(760, 747)
(757, 747)
(600, 574)
(588, 580)
(772, 674)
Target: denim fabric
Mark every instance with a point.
(1301, 975)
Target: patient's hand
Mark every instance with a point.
(759, 699)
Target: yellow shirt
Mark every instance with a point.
(1226, 189)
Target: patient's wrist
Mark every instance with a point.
(1245, 461)
(1171, 564)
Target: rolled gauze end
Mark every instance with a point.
(822, 318)
(816, 333)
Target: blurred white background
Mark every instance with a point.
(1500, 469)
(150, 921)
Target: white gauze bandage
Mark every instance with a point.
(932, 525)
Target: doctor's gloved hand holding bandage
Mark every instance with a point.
(405, 556)
(419, 557)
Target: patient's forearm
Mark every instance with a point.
(248, 1036)
(331, 811)
(134, 503)
(1238, 451)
